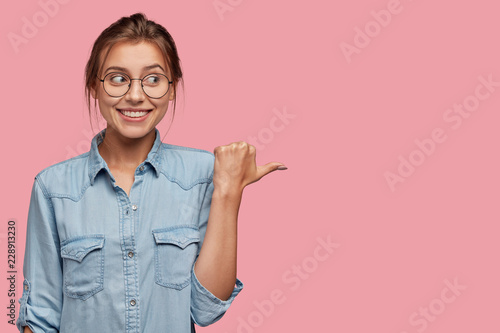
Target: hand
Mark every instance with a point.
(235, 167)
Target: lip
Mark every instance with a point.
(134, 120)
(132, 109)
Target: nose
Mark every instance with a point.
(135, 92)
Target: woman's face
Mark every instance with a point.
(134, 114)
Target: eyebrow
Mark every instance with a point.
(146, 68)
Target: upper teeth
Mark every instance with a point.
(134, 114)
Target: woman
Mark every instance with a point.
(135, 235)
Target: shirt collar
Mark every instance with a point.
(97, 163)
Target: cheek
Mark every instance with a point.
(105, 107)
(163, 106)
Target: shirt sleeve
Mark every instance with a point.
(206, 308)
(41, 301)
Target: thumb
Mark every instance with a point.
(263, 170)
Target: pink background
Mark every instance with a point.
(352, 118)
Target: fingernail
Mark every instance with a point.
(282, 167)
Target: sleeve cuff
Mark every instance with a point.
(21, 320)
(36, 318)
(206, 308)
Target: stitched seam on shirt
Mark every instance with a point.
(50, 195)
(198, 226)
(204, 197)
(184, 187)
(94, 236)
(53, 215)
(180, 226)
(71, 197)
(45, 195)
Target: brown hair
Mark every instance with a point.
(134, 29)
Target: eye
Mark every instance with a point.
(153, 80)
(117, 79)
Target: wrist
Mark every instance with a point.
(227, 192)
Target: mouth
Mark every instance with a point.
(134, 113)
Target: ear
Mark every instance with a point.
(172, 94)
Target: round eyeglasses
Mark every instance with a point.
(154, 85)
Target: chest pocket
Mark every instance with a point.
(83, 266)
(175, 252)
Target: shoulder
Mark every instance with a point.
(187, 153)
(185, 165)
(66, 178)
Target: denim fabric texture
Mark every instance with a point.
(99, 260)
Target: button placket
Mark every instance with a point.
(130, 254)
(129, 258)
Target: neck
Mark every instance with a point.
(125, 153)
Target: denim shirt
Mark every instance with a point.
(99, 260)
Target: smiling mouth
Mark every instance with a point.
(134, 114)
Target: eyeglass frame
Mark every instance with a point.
(130, 84)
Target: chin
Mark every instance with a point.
(135, 133)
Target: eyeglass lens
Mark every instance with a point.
(154, 85)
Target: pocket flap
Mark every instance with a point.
(78, 248)
(180, 236)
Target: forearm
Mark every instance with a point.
(216, 264)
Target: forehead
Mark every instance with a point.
(134, 57)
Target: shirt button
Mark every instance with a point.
(134, 207)
(130, 254)
(26, 287)
(141, 168)
(132, 302)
